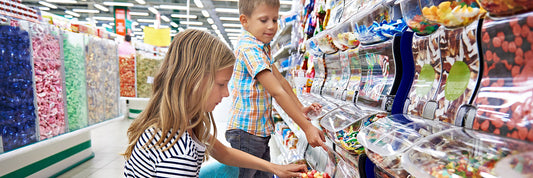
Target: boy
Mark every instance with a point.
(255, 81)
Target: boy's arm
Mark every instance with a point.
(315, 137)
(286, 86)
(237, 158)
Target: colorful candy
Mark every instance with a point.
(315, 174)
(147, 66)
(127, 76)
(452, 13)
(506, 7)
(73, 52)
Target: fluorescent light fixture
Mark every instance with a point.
(44, 8)
(127, 4)
(180, 29)
(284, 13)
(230, 18)
(183, 16)
(192, 23)
(63, 1)
(172, 7)
(104, 18)
(153, 10)
(106, 26)
(205, 13)
(173, 34)
(232, 25)
(210, 21)
(173, 31)
(72, 13)
(214, 27)
(138, 33)
(48, 5)
(93, 11)
(233, 34)
(138, 29)
(141, 1)
(233, 38)
(139, 13)
(198, 3)
(285, 2)
(174, 24)
(98, 6)
(134, 23)
(146, 20)
(227, 10)
(233, 30)
(160, 26)
(112, 23)
(165, 18)
(68, 16)
(199, 28)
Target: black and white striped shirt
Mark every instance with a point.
(181, 160)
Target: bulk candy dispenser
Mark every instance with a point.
(412, 14)
(451, 13)
(501, 8)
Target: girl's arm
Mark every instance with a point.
(315, 137)
(238, 158)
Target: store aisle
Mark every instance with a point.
(109, 140)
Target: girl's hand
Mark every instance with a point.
(291, 170)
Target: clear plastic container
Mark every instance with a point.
(412, 14)
(501, 8)
(451, 13)
(519, 165)
(324, 42)
(386, 139)
(342, 126)
(460, 153)
(344, 37)
(377, 25)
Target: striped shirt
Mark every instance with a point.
(181, 160)
(252, 104)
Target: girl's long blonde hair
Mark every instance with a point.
(180, 91)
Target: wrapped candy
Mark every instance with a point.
(95, 80)
(75, 82)
(127, 76)
(48, 81)
(452, 13)
(111, 79)
(147, 66)
(17, 109)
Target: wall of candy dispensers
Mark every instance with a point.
(445, 97)
(56, 80)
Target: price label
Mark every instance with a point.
(150, 80)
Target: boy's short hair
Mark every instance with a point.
(246, 7)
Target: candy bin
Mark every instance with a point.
(451, 13)
(75, 81)
(412, 14)
(500, 8)
(325, 44)
(342, 126)
(387, 138)
(376, 25)
(519, 165)
(344, 37)
(147, 66)
(461, 153)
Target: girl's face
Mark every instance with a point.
(220, 89)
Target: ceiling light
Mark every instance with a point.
(230, 18)
(210, 21)
(285, 2)
(104, 18)
(86, 11)
(48, 5)
(233, 34)
(231, 25)
(192, 23)
(198, 28)
(173, 31)
(205, 13)
(183, 16)
(128, 4)
(98, 6)
(68, 16)
(284, 13)
(160, 26)
(138, 33)
(180, 29)
(134, 23)
(72, 13)
(146, 20)
(63, 1)
(141, 1)
(233, 37)
(174, 24)
(165, 18)
(233, 30)
(153, 10)
(44, 8)
(106, 26)
(198, 3)
(139, 13)
(227, 10)
(114, 23)
(173, 7)
(214, 27)
(173, 34)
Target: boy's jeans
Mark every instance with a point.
(254, 145)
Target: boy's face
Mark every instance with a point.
(263, 23)
(220, 89)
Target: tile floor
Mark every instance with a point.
(109, 140)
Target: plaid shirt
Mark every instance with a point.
(252, 104)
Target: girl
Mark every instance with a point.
(171, 138)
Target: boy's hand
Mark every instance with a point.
(291, 170)
(315, 136)
(314, 107)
